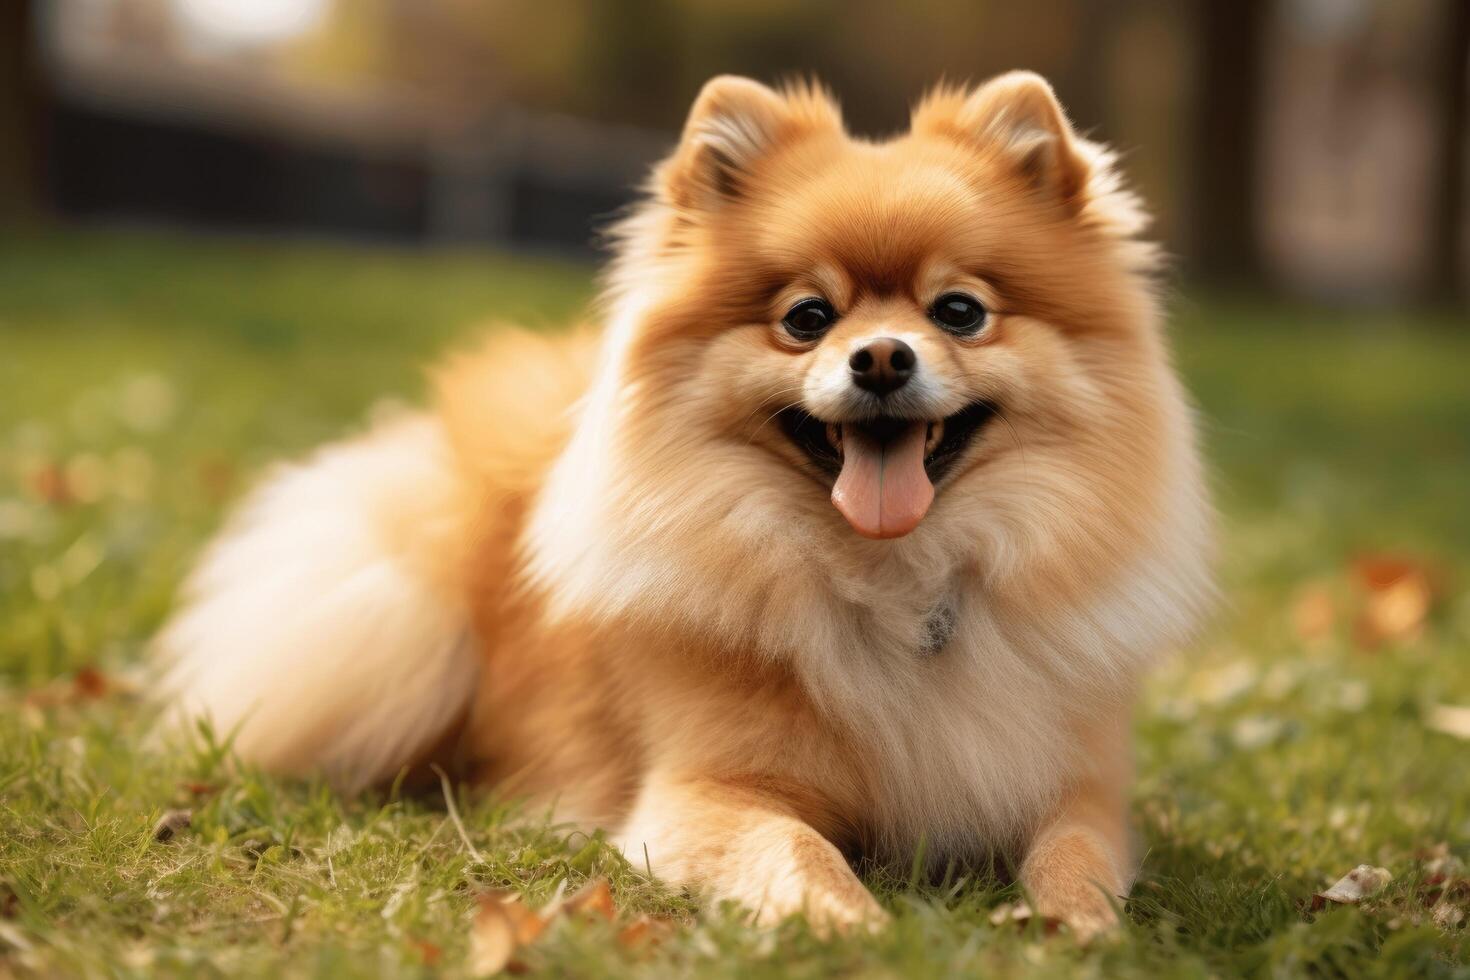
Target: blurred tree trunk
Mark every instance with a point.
(22, 113)
(1229, 46)
(1087, 80)
(1449, 247)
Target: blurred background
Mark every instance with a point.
(1315, 148)
(231, 230)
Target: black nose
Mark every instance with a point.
(882, 365)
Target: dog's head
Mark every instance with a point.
(951, 336)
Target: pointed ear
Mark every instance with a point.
(1015, 114)
(734, 122)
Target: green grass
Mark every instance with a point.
(153, 376)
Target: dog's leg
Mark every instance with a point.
(1079, 865)
(737, 842)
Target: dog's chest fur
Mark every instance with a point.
(960, 719)
(966, 739)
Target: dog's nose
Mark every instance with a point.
(882, 365)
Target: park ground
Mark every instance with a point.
(146, 379)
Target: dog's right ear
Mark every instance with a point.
(734, 123)
(1017, 116)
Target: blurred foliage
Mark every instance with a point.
(641, 61)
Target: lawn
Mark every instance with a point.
(145, 379)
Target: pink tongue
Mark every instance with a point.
(883, 490)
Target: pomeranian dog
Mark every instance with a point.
(849, 535)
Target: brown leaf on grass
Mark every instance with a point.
(528, 924)
(90, 683)
(1362, 882)
(198, 789)
(1395, 615)
(429, 953)
(48, 482)
(644, 931)
(1444, 881)
(1397, 595)
(87, 684)
(171, 824)
(1313, 614)
(492, 938)
(1450, 719)
(1377, 571)
(592, 899)
(1437, 888)
(504, 924)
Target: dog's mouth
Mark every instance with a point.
(884, 469)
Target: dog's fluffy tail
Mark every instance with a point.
(323, 631)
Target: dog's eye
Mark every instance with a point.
(958, 313)
(809, 319)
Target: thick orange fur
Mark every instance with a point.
(674, 634)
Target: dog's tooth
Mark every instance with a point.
(834, 437)
(936, 433)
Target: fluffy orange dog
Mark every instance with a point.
(853, 529)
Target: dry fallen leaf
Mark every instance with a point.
(504, 924)
(1444, 886)
(526, 923)
(429, 953)
(644, 931)
(636, 932)
(594, 899)
(170, 824)
(48, 482)
(89, 682)
(1378, 571)
(1436, 888)
(1451, 719)
(1398, 593)
(1396, 614)
(1362, 882)
(492, 938)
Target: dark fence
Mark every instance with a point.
(512, 179)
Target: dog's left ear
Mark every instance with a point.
(733, 124)
(1018, 116)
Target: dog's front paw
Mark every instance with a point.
(834, 911)
(1072, 881)
(1087, 920)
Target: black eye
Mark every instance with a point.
(958, 313)
(809, 319)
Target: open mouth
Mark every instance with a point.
(885, 468)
